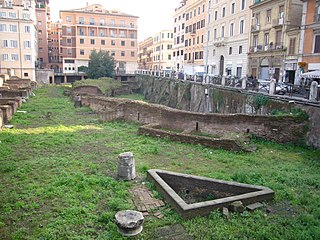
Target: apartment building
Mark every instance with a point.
(275, 34)
(227, 40)
(309, 56)
(162, 50)
(43, 26)
(92, 27)
(55, 60)
(18, 51)
(179, 26)
(145, 54)
(189, 34)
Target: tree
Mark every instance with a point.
(101, 64)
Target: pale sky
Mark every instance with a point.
(154, 15)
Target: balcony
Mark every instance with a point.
(266, 48)
(277, 22)
(220, 42)
(255, 28)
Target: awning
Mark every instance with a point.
(313, 74)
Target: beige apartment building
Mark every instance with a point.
(55, 60)
(195, 13)
(43, 26)
(162, 50)
(18, 51)
(309, 56)
(228, 34)
(92, 27)
(145, 54)
(275, 34)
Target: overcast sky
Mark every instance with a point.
(154, 15)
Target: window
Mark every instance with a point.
(281, 11)
(81, 51)
(101, 21)
(81, 20)
(5, 57)
(5, 43)
(230, 50)
(113, 53)
(132, 54)
(113, 42)
(223, 11)
(102, 33)
(25, 16)
(112, 22)
(39, 23)
(243, 4)
(103, 42)
(68, 19)
(3, 14)
(68, 29)
(292, 46)
(257, 17)
(215, 33)
(232, 8)
(112, 34)
(81, 41)
(92, 41)
(231, 29)
(222, 31)
(266, 39)
(269, 16)
(69, 41)
(122, 34)
(26, 74)
(317, 15)
(240, 49)
(215, 15)
(91, 21)
(13, 43)
(122, 23)
(3, 27)
(123, 53)
(27, 57)
(317, 44)
(69, 51)
(278, 38)
(241, 26)
(14, 57)
(92, 33)
(81, 31)
(255, 40)
(123, 43)
(12, 15)
(132, 44)
(27, 44)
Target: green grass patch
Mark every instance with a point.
(57, 178)
(106, 85)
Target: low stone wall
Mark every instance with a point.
(281, 129)
(6, 93)
(13, 104)
(1, 119)
(226, 144)
(7, 113)
(87, 90)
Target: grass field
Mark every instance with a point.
(58, 168)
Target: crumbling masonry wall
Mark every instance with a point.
(281, 129)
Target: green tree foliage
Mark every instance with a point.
(101, 64)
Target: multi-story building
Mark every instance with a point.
(92, 27)
(228, 37)
(43, 25)
(195, 14)
(275, 34)
(162, 50)
(145, 54)
(179, 26)
(55, 60)
(18, 51)
(309, 56)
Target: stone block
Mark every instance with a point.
(237, 206)
(126, 166)
(254, 206)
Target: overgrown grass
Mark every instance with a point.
(57, 178)
(106, 85)
(133, 97)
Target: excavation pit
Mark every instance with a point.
(193, 196)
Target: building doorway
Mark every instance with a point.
(290, 76)
(264, 69)
(221, 69)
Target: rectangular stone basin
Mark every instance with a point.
(193, 196)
